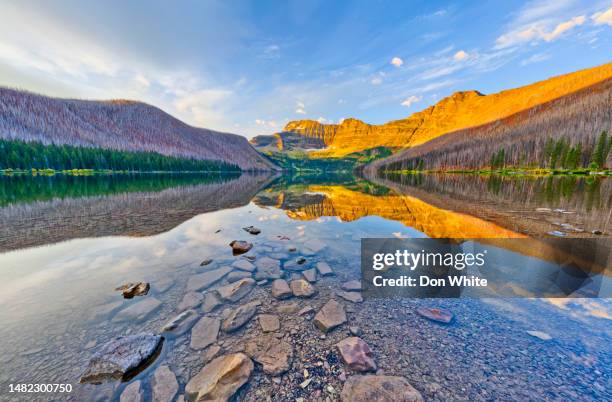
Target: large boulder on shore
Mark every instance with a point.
(122, 357)
(220, 379)
(330, 316)
(369, 388)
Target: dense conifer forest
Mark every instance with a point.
(21, 155)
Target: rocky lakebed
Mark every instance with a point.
(282, 320)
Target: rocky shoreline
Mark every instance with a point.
(278, 322)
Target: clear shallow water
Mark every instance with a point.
(59, 303)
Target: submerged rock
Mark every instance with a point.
(294, 266)
(206, 279)
(204, 333)
(129, 290)
(351, 286)
(190, 300)
(164, 386)
(269, 322)
(237, 290)
(235, 276)
(137, 311)
(280, 289)
(369, 388)
(310, 275)
(206, 262)
(240, 246)
(220, 379)
(302, 288)
(252, 230)
(239, 316)
(356, 354)
(436, 314)
(324, 269)
(273, 354)
(132, 393)
(244, 265)
(354, 297)
(267, 268)
(315, 245)
(211, 301)
(122, 357)
(330, 316)
(300, 260)
(181, 323)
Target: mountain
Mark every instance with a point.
(459, 111)
(120, 125)
(569, 127)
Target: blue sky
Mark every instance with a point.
(249, 67)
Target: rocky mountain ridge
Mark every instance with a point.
(458, 111)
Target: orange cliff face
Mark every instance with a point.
(458, 111)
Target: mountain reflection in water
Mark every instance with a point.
(59, 302)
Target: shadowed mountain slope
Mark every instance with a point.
(118, 124)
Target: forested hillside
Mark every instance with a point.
(119, 125)
(21, 155)
(569, 132)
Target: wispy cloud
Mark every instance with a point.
(603, 17)
(536, 58)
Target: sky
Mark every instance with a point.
(249, 67)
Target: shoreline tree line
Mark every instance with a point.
(22, 155)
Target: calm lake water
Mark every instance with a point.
(67, 242)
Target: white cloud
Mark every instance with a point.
(461, 55)
(300, 108)
(564, 27)
(411, 100)
(603, 17)
(376, 81)
(322, 120)
(397, 62)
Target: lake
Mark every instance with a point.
(67, 242)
